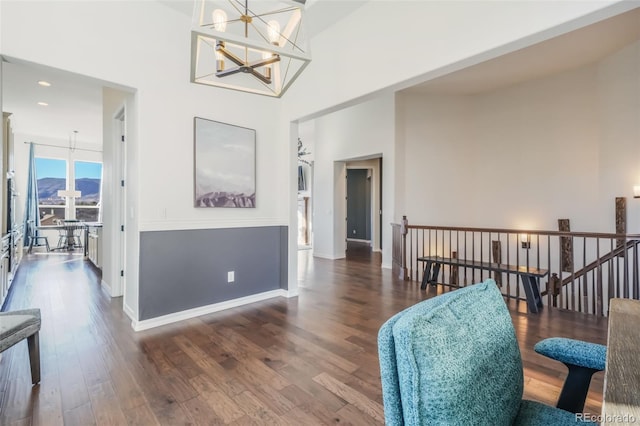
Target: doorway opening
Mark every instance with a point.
(359, 206)
(363, 204)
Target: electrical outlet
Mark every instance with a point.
(231, 276)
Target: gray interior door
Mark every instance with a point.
(358, 204)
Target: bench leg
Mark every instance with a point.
(425, 274)
(429, 277)
(434, 277)
(532, 291)
(33, 342)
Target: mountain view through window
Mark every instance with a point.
(51, 175)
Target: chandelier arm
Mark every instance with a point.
(259, 76)
(227, 54)
(246, 69)
(229, 71)
(205, 75)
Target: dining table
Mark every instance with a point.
(70, 237)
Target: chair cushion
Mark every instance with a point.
(575, 352)
(536, 414)
(459, 361)
(18, 325)
(388, 364)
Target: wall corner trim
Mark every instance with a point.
(106, 288)
(129, 312)
(203, 310)
(291, 293)
(329, 256)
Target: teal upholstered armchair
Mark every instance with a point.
(454, 360)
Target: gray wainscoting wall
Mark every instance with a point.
(185, 269)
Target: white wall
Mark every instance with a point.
(618, 90)
(524, 156)
(146, 46)
(361, 131)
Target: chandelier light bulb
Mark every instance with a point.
(219, 17)
(274, 32)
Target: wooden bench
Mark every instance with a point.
(530, 276)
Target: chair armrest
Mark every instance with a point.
(573, 352)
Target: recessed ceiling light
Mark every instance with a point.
(43, 104)
(44, 83)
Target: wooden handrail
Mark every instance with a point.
(593, 265)
(527, 231)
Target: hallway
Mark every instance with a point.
(306, 360)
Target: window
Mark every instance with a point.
(52, 177)
(85, 183)
(88, 180)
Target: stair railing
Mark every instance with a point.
(598, 267)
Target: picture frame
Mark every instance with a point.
(224, 165)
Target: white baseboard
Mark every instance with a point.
(356, 240)
(106, 288)
(386, 266)
(291, 293)
(203, 310)
(130, 313)
(328, 256)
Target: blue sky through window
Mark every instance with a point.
(85, 169)
(51, 168)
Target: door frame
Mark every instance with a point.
(118, 234)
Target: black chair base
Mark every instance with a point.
(575, 389)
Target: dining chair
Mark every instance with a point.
(35, 239)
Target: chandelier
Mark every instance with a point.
(257, 47)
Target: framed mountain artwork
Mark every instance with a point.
(225, 165)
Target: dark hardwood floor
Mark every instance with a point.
(300, 361)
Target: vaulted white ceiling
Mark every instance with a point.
(75, 102)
